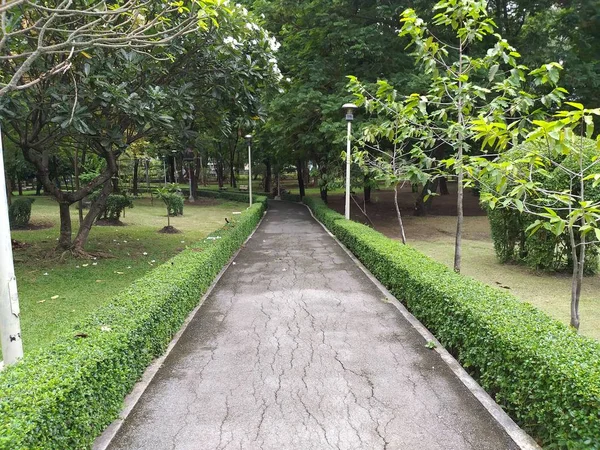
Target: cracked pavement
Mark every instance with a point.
(296, 348)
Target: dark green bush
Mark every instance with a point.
(226, 195)
(542, 373)
(62, 397)
(174, 202)
(115, 205)
(542, 250)
(19, 212)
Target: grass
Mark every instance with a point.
(56, 293)
(548, 292)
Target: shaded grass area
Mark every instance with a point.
(56, 291)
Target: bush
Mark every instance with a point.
(64, 396)
(542, 250)
(115, 205)
(174, 203)
(19, 212)
(541, 372)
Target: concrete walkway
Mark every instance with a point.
(297, 349)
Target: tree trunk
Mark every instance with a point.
(399, 215)
(268, 176)
(367, 193)
(64, 239)
(220, 173)
(136, 163)
(323, 192)
(20, 186)
(300, 179)
(194, 169)
(306, 173)
(459, 214)
(423, 203)
(444, 186)
(38, 187)
(8, 191)
(86, 226)
(171, 169)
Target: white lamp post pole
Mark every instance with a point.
(249, 140)
(10, 326)
(349, 107)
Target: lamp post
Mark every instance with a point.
(349, 108)
(248, 138)
(10, 326)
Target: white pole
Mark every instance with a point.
(347, 210)
(10, 326)
(250, 172)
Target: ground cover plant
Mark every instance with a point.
(540, 371)
(83, 285)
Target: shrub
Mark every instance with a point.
(19, 212)
(62, 397)
(542, 250)
(174, 203)
(541, 372)
(115, 205)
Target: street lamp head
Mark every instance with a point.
(349, 108)
(248, 137)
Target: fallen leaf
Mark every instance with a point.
(54, 297)
(41, 301)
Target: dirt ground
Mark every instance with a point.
(434, 235)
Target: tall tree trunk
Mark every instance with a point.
(136, 164)
(323, 192)
(367, 189)
(171, 169)
(220, 174)
(64, 239)
(459, 213)
(76, 170)
(300, 179)
(444, 186)
(423, 203)
(20, 186)
(306, 173)
(399, 215)
(38, 187)
(268, 175)
(8, 191)
(95, 209)
(194, 171)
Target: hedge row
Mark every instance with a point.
(542, 373)
(230, 195)
(64, 396)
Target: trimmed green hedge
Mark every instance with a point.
(542, 373)
(230, 195)
(64, 396)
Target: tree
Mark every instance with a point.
(321, 42)
(559, 147)
(463, 86)
(32, 31)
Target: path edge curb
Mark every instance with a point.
(519, 437)
(131, 400)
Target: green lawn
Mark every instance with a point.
(55, 294)
(548, 292)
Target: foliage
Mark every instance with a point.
(542, 250)
(464, 85)
(172, 199)
(65, 395)
(115, 205)
(556, 181)
(19, 212)
(544, 375)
